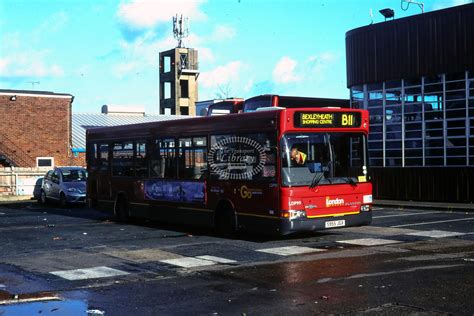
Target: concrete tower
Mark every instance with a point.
(178, 75)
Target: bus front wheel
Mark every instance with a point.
(226, 222)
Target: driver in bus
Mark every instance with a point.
(297, 156)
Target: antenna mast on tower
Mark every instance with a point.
(408, 2)
(180, 29)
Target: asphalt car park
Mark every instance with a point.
(90, 261)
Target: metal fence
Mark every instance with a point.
(21, 181)
(434, 184)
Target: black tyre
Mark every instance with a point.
(62, 200)
(226, 223)
(42, 198)
(121, 210)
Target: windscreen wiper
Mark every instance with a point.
(317, 178)
(351, 181)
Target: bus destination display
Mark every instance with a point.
(327, 119)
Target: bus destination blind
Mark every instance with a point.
(327, 119)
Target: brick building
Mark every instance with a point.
(38, 129)
(35, 128)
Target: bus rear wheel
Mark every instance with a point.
(121, 209)
(226, 223)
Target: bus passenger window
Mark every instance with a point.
(265, 168)
(92, 157)
(103, 157)
(163, 161)
(200, 157)
(122, 159)
(192, 158)
(243, 156)
(141, 165)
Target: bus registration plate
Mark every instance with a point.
(332, 224)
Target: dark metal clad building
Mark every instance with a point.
(422, 45)
(415, 75)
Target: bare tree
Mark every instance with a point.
(224, 91)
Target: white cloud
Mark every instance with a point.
(54, 23)
(221, 75)
(148, 13)
(126, 68)
(205, 55)
(223, 32)
(21, 56)
(284, 71)
(29, 64)
(319, 63)
(143, 52)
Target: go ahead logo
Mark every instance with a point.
(334, 202)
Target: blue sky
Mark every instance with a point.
(106, 52)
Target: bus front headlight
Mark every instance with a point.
(293, 214)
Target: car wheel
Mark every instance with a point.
(62, 200)
(42, 199)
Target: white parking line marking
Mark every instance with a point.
(410, 214)
(436, 234)
(188, 262)
(378, 230)
(90, 273)
(143, 255)
(369, 241)
(216, 259)
(437, 222)
(290, 250)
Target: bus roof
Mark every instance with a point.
(294, 102)
(224, 124)
(202, 124)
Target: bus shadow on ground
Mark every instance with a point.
(81, 211)
(211, 232)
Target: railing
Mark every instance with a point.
(14, 153)
(21, 181)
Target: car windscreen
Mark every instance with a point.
(221, 108)
(74, 175)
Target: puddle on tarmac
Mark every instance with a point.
(56, 308)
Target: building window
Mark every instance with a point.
(167, 90)
(184, 110)
(420, 122)
(413, 125)
(375, 105)
(45, 162)
(184, 88)
(183, 61)
(357, 97)
(166, 64)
